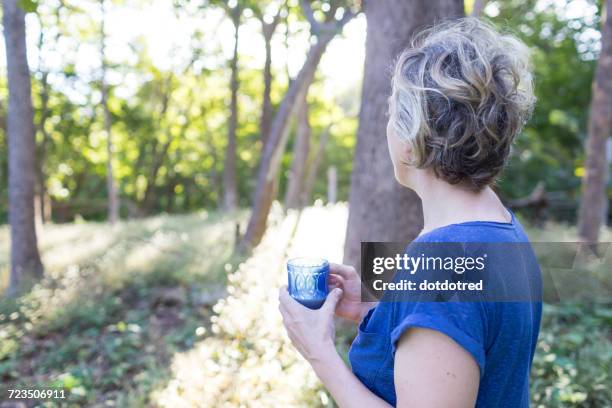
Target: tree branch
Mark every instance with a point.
(478, 8)
(315, 26)
(334, 25)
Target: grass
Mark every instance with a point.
(115, 305)
(158, 312)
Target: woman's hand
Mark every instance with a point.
(312, 332)
(350, 306)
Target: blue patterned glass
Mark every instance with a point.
(308, 281)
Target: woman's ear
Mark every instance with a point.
(407, 151)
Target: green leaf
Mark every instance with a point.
(29, 6)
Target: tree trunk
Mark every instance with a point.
(44, 211)
(230, 192)
(266, 109)
(158, 156)
(270, 162)
(379, 208)
(300, 156)
(26, 266)
(591, 216)
(478, 7)
(332, 185)
(43, 199)
(148, 200)
(113, 196)
(313, 169)
(267, 177)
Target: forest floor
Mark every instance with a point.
(158, 312)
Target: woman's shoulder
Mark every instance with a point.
(476, 231)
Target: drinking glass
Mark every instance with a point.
(308, 281)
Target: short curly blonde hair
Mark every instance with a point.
(461, 94)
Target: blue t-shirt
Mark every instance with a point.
(501, 336)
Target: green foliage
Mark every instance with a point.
(106, 321)
(571, 367)
(29, 6)
(119, 305)
(170, 124)
(564, 50)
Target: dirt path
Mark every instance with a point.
(248, 360)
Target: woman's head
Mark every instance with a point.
(461, 93)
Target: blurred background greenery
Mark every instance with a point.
(183, 69)
(159, 308)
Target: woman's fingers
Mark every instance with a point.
(344, 271)
(336, 280)
(332, 300)
(290, 304)
(336, 277)
(282, 311)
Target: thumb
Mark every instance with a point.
(332, 300)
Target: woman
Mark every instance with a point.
(461, 94)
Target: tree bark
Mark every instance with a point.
(301, 149)
(593, 205)
(269, 166)
(113, 195)
(230, 191)
(148, 200)
(158, 156)
(379, 208)
(44, 209)
(268, 30)
(26, 266)
(267, 177)
(43, 198)
(313, 168)
(266, 110)
(478, 7)
(332, 184)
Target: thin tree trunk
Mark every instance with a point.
(332, 184)
(214, 176)
(157, 156)
(268, 30)
(478, 7)
(44, 201)
(266, 110)
(268, 169)
(113, 196)
(313, 169)
(379, 208)
(26, 266)
(300, 156)
(42, 196)
(41, 153)
(158, 159)
(591, 216)
(267, 177)
(230, 192)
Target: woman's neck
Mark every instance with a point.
(445, 204)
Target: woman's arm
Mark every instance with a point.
(343, 385)
(312, 334)
(431, 370)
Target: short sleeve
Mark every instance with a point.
(465, 323)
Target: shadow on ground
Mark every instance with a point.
(115, 305)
